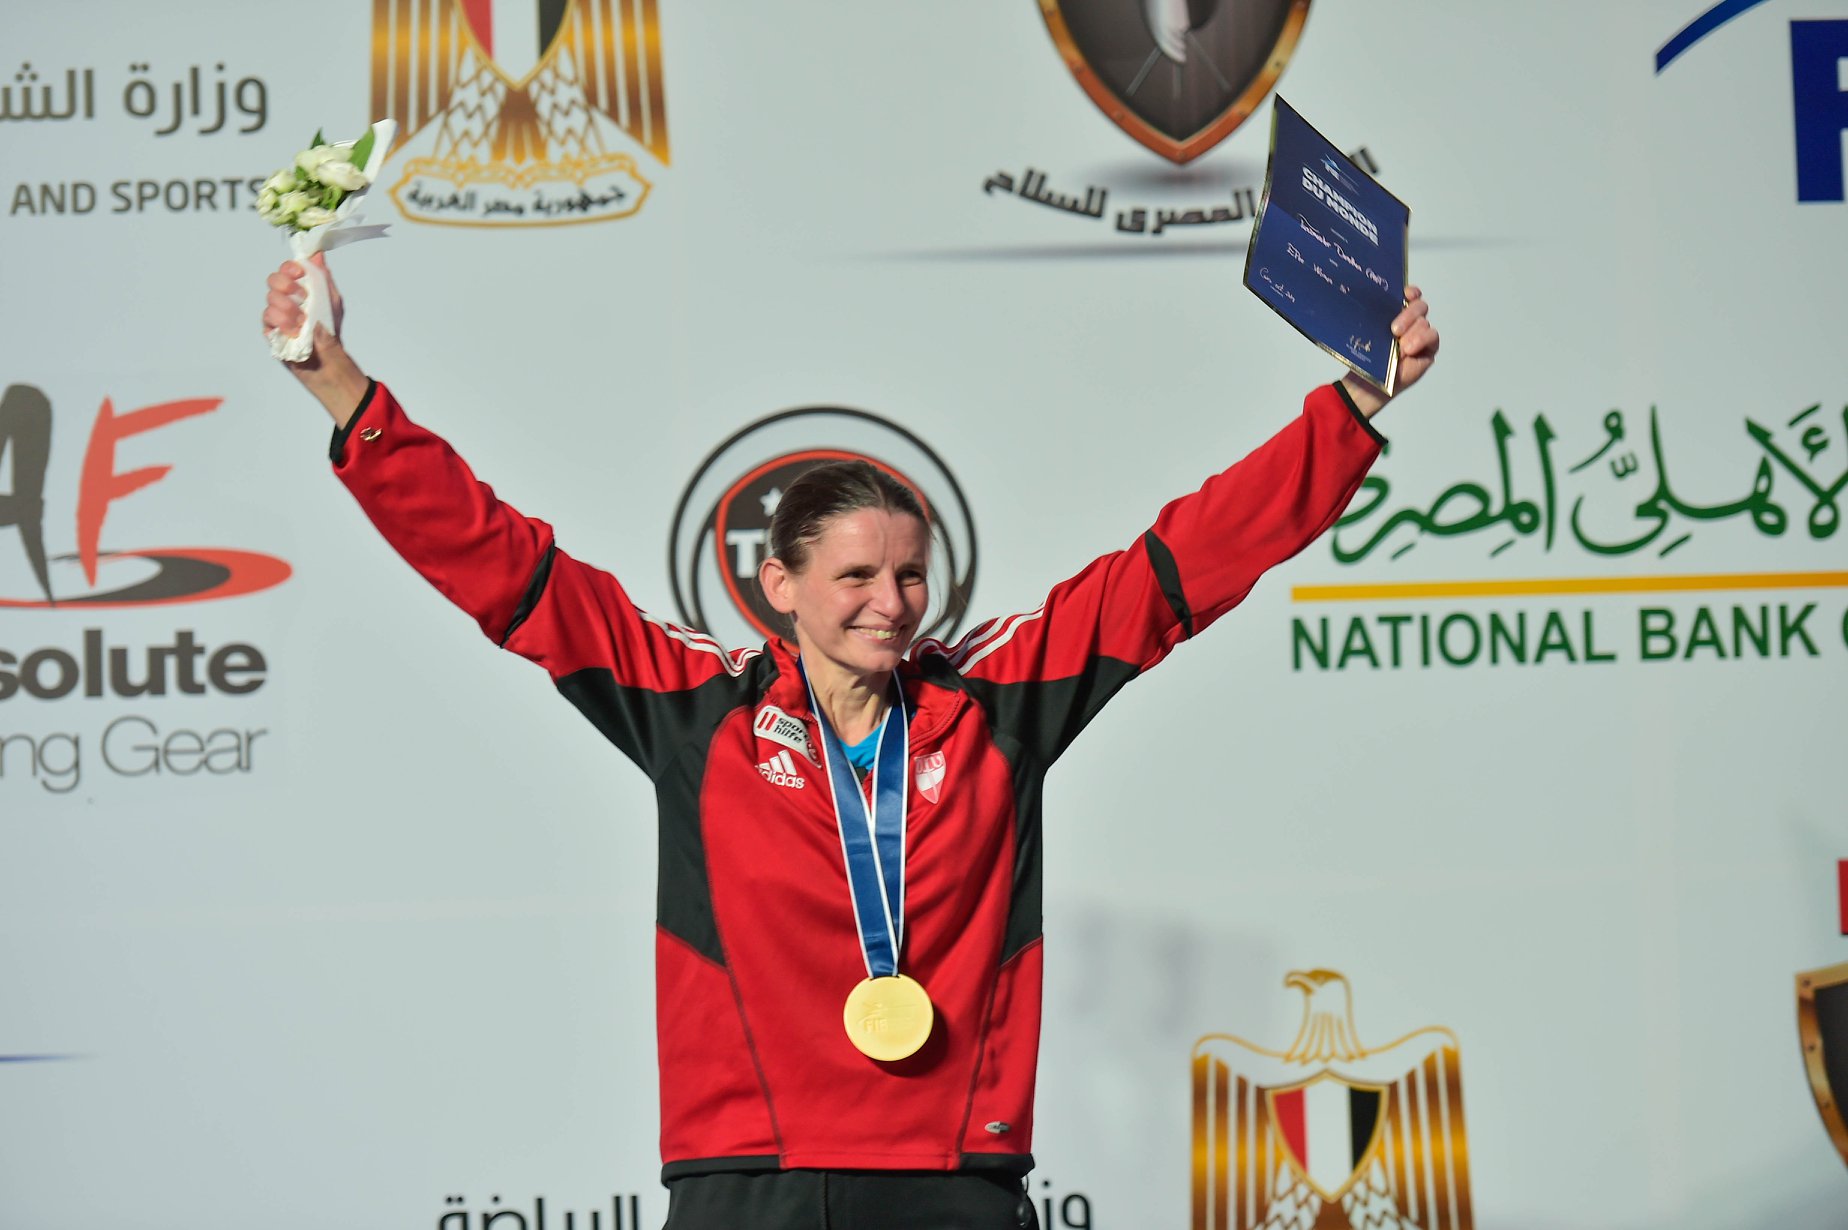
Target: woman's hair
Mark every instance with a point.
(830, 490)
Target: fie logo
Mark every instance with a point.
(1818, 91)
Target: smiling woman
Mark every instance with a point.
(848, 921)
(849, 565)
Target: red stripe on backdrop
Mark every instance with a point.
(1288, 1107)
(480, 14)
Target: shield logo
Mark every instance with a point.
(930, 775)
(1329, 1127)
(515, 36)
(1822, 1028)
(1177, 75)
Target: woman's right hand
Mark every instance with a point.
(328, 372)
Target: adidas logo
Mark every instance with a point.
(780, 770)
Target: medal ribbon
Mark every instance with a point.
(873, 838)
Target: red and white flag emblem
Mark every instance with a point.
(930, 775)
(516, 34)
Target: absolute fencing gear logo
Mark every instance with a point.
(1329, 1133)
(111, 664)
(1179, 76)
(720, 531)
(148, 576)
(521, 112)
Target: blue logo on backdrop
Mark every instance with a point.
(1818, 91)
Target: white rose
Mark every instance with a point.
(314, 216)
(266, 202)
(281, 182)
(340, 173)
(291, 203)
(309, 159)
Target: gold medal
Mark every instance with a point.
(888, 1018)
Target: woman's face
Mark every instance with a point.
(861, 596)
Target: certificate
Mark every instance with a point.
(1328, 250)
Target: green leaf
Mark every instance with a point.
(318, 139)
(362, 149)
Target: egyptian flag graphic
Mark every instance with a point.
(1328, 1127)
(515, 33)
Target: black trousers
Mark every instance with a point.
(850, 1200)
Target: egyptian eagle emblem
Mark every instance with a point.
(1329, 1134)
(521, 111)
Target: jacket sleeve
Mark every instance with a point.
(616, 662)
(1045, 674)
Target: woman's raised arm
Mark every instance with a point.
(329, 371)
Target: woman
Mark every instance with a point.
(848, 923)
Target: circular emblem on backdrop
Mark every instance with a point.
(721, 527)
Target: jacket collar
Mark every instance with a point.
(933, 690)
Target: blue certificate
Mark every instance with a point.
(1329, 248)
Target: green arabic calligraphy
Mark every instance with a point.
(1469, 507)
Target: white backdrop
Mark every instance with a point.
(392, 963)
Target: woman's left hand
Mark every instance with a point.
(1417, 352)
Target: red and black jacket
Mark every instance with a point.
(755, 946)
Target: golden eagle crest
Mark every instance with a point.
(520, 112)
(1329, 1134)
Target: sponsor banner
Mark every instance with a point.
(151, 675)
(1568, 545)
(203, 118)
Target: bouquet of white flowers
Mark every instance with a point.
(316, 198)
